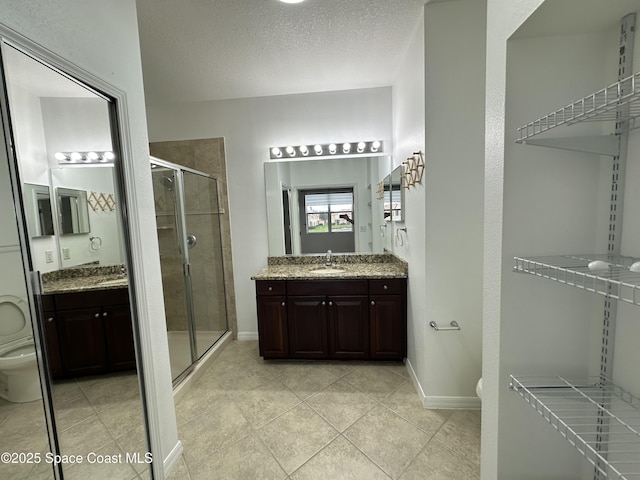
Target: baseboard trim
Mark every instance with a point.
(172, 459)
(247, 336)
(450, 403)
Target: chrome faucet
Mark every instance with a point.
(328, 261)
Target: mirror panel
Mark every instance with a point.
(286, 179)
(396, 194)
(37, 201)
(74, 211)
(88, 359)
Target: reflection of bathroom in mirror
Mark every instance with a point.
(37, 202)
(284, 180)
(74, 218)
(394, 195)
(74, 211)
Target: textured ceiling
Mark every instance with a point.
(196, 50)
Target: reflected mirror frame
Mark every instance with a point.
(39, 217)
(13, 40)
(76, 217)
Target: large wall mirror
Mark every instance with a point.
(330, 203)
(87, 366)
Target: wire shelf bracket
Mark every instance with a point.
(598, 144)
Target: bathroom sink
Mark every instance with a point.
(118, 281)
(327, 271)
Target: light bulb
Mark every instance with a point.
(291, 151)
(332, 148)
(304, 150)
(361, 147)
(60, 156)
(109, 155)
(318, 149)
(276, 152)
(346, 148)
(75, 156)
(375, 146)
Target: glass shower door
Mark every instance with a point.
(166, 192)
(204, 251)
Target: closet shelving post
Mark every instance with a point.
(596, 416)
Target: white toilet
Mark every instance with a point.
(19, 380)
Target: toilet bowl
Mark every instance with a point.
(19, 380)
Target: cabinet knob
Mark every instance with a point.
(330, 303)
(104, 314)
(97, 315)
(270, 289)
(385, 287)
(50, 319)
(324, 303)
(372, 302)
(283, 304)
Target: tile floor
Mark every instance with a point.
(247, 418)
(100, 414)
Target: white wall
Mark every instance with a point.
(250, 126)
(68, 29)
(444, 215)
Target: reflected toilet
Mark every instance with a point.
(19, 381)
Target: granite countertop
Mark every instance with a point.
(84, 279)
(345, 267)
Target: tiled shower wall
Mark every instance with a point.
(207, 156)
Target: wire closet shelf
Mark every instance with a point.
(616, 280)
(598, 418)
(617, 102)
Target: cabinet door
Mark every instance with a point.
(272, 327)
(82, 343)
(121, 351)
(52, 346)
(388, 327)
(348, 326)
(307, 317)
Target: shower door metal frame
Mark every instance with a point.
(183, 248)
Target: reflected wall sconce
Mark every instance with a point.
(85, 158)
(413, 169)
(327, 149)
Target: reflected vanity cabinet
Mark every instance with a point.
(88, 333)
(332, 319)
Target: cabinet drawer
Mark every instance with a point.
(387, 286)
(271, 287)
(94, 298)
(327, 287)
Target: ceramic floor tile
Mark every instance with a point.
(199, 399)
(235, 379)
(341, 404)
(105, 391)
(387, 439)
(107, 463)
(339, 460)
(437, 462)
(180, 471)
(246, 459)
(70, 404)
(25, 429)
(87, 436)
(305, 379)
(133, 442)
(296, 436)
(461, 433)
(376, 381)
(405, 402)
(122, 417)
(266, 402)
(211, 431)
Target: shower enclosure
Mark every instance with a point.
(190, 241)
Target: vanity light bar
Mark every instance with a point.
(327, 149)
(82, 158)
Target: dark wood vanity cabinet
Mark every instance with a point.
(88, 333)
(339, 319)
